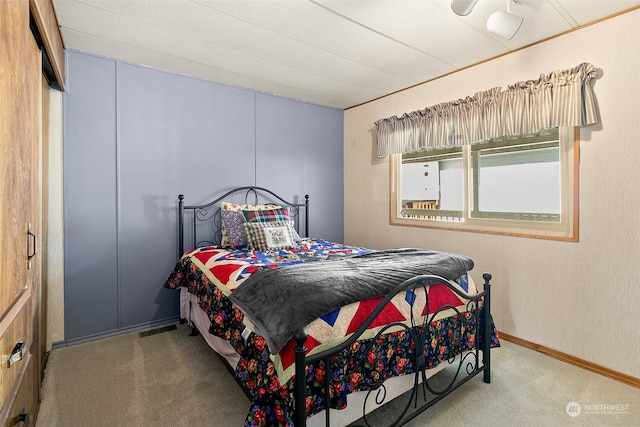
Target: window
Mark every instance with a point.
(524, 185)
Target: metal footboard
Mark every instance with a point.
(470, 361)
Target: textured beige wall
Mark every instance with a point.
(578, 298)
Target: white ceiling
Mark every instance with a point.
(338, 53)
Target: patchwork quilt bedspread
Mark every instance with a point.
(213, 274)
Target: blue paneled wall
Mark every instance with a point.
(135, 138)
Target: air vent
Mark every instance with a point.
(157, 330)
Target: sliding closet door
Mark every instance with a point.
(20, 65)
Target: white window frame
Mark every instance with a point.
(567, 229)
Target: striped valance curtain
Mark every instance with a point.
(560, 98)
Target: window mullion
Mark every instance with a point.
(466, 187)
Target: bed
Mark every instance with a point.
(363, 327)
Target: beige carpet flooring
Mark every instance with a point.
(171, 379)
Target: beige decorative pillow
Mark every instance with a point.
(263, 236)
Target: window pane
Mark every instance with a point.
(420, 181)
(451, 178)
(526, 181)
(432, 185)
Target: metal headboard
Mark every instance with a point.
(208, 215)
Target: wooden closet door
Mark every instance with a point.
(20, 127)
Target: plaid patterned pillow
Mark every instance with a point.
(263, 236)
(267, 215)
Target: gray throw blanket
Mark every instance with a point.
(282, 301)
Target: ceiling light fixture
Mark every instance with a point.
(504, 24)
(462, 7)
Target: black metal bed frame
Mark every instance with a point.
(209, 214)
(470, 362)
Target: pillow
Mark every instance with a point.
(281, 213)
(267, 215)
(232, 230)
(233, 233)
(262, 236)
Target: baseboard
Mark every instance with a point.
(581, 363)
(135, 328)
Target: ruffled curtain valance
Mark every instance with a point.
(560, 98)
